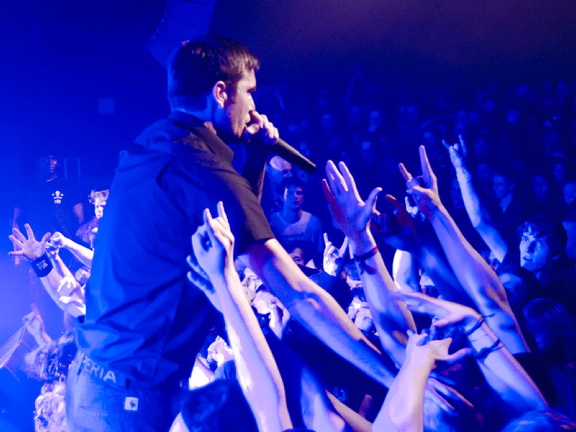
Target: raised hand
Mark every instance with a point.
(351, 213)
(213, 242)
(422, 349)
(458, 152)
(424, 188)
(58, 240)
(29, 247)
(333, 258)
(444, 312)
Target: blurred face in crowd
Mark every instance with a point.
(250, 283)
(376, 119)
(502, 186)
(569, 192)
(297, 256)
(540, 188)
(219, 352)
(547, 337)
(293, 197)
(484, 173)
(328, 124)
(99, 205)
(48, 165)
(559, 173)
(535, 253)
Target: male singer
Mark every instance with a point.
(145, 321)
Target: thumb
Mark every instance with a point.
(458, 355)
(372, 198)
(392, 200)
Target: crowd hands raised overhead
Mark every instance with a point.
(458, 352)
(463, 361)
(474, 320)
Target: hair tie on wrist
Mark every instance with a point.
(42, 266)
(365, 256)
(476, 326)
(484, 352)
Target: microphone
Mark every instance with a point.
(286, 151)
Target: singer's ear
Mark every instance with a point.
(220, 94)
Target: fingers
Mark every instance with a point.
(16, 241)
(344, 246)
(29, 232)
(222, 213)
(16, 234)
(407, 176)
(328, 193)
(442, 322)
(348, 179)
(262, 128)
(373, 198)
(198, 240)
(392, 200)
(427, 172)
(462, 145)
(458, 355)
(335, 179)
(210, 241)
(446, 145)
(327, 242)
(45, 238)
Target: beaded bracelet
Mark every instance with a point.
(42, 266)
(476, 326)
(484, 352)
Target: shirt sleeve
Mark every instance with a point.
(208, 180)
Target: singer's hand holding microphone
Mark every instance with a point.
(261, 129)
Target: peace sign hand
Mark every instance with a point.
(423, 189)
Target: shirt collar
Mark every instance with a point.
(198, 128)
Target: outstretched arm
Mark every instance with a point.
(258, 374)
(83, 254)
(65, 292)
(352, 215)
(474, 274)
(407, 231)
(503, 373)
(475, 207)
(314, 308)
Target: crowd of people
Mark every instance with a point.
(309, 304)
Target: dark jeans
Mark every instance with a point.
(100, 400)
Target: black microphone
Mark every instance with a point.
(286, 151)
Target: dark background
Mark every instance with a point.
(75, 77)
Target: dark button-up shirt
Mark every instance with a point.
(144, 318)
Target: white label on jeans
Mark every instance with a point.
(131, 404)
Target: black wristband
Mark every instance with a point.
(42, 266)
(484, 352)
(476, 326)
(369, 254)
